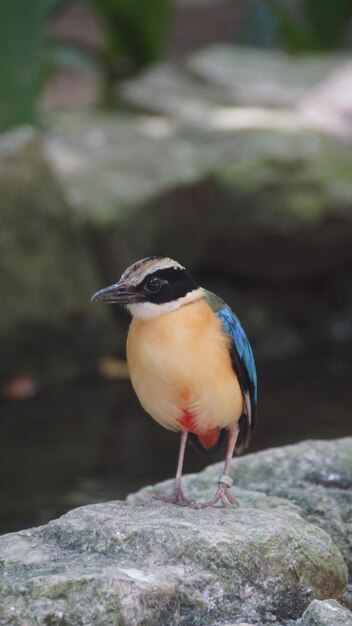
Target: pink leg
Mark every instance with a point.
(225, 481)
(177, 496)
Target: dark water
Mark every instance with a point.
(90, 441)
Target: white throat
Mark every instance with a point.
(146, 310)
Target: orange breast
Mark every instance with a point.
(182, 372)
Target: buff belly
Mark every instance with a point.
(181, 369)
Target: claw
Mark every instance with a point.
(220, 496)
(177, 497)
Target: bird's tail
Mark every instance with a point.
(210, 442)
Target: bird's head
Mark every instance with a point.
(151, 287)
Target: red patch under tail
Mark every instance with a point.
(206, 440)
(187, 420)
(210, 438)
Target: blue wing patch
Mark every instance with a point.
(243, 364)
(241, 344)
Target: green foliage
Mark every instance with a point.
(328, 20)
(135, 29)
(135, 34)
(297, 25)
(312, 25)
(22, 58)
(21, 36)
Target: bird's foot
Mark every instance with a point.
(177, 497)
(222, 495)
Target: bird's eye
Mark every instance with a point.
(154, 284)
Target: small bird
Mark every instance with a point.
(190, 362)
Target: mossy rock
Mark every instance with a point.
(146, 562)
(157, 564)
(47, 271)
(271, 203)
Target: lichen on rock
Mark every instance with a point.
(326, 613)
(146, 562)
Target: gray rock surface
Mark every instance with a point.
(265, 77)
(238, 185)
(46, 269)
(329, 105)
(325, 613)
(231, 75)
(134, 178)
(145, 562)
(266, 85)
(253, 181)
(312, 478)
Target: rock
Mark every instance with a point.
(145, 562)
(315, 478)
(245, 175)
(329, 105)
(262, 77)
(116, 175)
(293, 218)
(325, 613)
(168, 90)
(159, 564)
(261, 188)
(299, 199)
(241, 624)
(48, 236)
(111, 167)
(46, 269)
(233, 76)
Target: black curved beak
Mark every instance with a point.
(119, 293)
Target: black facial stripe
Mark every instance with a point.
(178, 282)
(171, 274)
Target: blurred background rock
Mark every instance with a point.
(213, 131)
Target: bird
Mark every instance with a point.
(190, 362)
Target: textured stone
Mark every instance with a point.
(116, 176)
(145, 562)
(203, 159)
(230, 76)
(259, 196)
(46, 266)
(315, 478)
(329, 104)
(264, 78)
(109, 166)
(326, 613)
(160, 564)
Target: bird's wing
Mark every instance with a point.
(242, 361)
